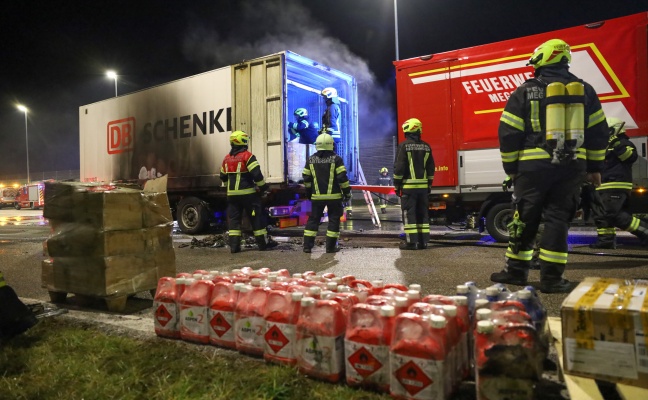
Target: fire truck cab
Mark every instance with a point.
(31, 196)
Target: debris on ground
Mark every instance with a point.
(248, 242)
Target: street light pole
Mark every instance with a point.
(24, 110)
(113, 75)
(396, 26)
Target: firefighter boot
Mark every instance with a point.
(309, 243)
(408, 246)
(235, 244)
(264, 242)
(604, 242)
(512, 274)
(332, 245)
(551, 280)
(642, 232)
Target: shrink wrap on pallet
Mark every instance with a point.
(106, 240)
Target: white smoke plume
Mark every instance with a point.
(266, 27)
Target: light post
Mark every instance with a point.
(113, 75)
(24, 110)
(396, 25)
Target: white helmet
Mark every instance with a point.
(329, 93)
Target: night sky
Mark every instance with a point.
(55, 53)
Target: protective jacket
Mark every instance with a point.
(619, 157)
(241, 172)
(414, 165)
(384, 180)
(325, 176)
(331, 120)
(522, 131)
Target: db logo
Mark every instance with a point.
(121, 135)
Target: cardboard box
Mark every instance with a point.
(605, 331)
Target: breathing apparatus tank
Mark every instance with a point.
(574, 119)
(555, 122)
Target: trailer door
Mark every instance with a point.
(257, 109)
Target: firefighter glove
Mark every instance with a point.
(346, 197)
(506, 185)
(399, 190)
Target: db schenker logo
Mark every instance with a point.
(121, 135)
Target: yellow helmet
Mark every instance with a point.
(239, 138)
(616, 125)
(384, 170)
(412, 125)
(554, 51)
(324, 142)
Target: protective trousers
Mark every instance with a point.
(335, 211)
(250, 204)
(553, 194)
(416, 222)
(613, 214)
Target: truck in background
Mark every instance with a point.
(181, 129)
(459, 97)
(31, 195)
(8, 196)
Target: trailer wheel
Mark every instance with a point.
(17, 206)
(192, 215)
(496, 220)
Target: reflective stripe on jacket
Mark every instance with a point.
(414, 165)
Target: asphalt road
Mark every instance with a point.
(454, 257)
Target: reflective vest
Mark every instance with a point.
(325, 176)
(241, 172)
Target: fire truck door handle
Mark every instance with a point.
(643, 150)
(460, 161)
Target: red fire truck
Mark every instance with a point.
(459, 97)
(31, 196)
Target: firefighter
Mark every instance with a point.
(613, 194)
(413, 175)
(552, 136)
(331, 117)
(302, 128)
(327, 186)
(384, 180)
(15, 316)
(241, 173)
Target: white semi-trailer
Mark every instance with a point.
(181, 129)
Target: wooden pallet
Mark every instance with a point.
(585, 388)
(115, 304)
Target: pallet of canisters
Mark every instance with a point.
(107, 242)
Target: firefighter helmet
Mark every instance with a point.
(384, 170)
(412, 125)
(324, 142)
(554, 51)
(301, 113)
(329, 93)
(239, 138)
(616, 125)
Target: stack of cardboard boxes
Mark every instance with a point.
(106, 241)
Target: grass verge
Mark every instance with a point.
(61, 359)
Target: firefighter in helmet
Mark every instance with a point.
(552, 136)
(331, 117)
(610, 208)
(413, 175)
(241, 173)
(327, 186)
(384, 180)
(302, 128)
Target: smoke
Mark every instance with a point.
(268, 27)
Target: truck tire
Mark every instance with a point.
(496, 220)
(17, 206)
(192, 215)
